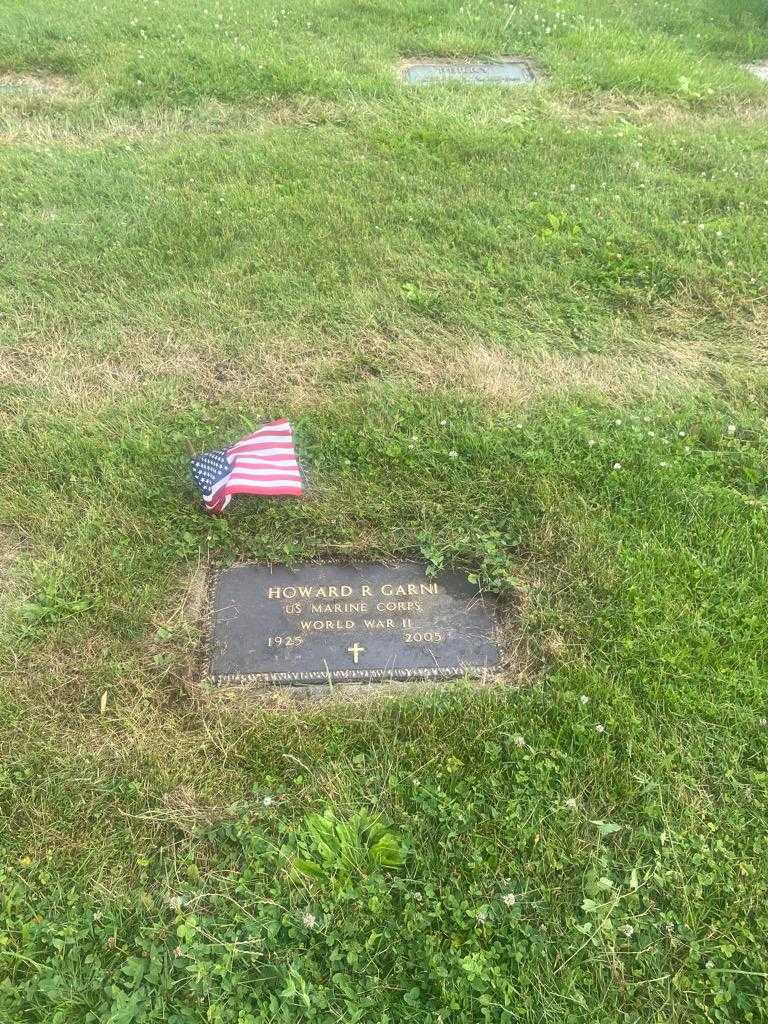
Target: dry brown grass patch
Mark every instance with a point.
(61, 128)
(71, 374)
(175, 652)
(515, 380)
(186, 810)
(187, 607)
(616, 106)
(676, 353)
(12, 547)
(14, 550)
(686, 362)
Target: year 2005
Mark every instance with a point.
(430, 636)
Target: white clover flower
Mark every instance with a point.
(600, 728)
(347, 462)
(443, 423)
(628, 930)
(267, 801)
(709, 965)
(681, 433)
(453, 455)
(617, 465)
(731, 429)
(663, 463)
(519, 741)
(591, 442)
(764, 722)
(510, 899)
(584, 699)
(571, 803)
(309, 920)
(617, 422)
(481, 917)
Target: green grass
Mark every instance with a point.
(219, 216)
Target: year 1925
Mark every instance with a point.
(285, 641)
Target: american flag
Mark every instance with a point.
(262, 463)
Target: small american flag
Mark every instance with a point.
(262, 463)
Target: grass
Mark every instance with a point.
(215, 216)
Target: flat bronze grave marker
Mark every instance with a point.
(504, 71)
(24, 84)
(328, 623)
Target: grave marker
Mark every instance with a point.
(30, 84)
(315, 624)
(501, 71)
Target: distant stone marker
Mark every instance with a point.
(25, 84)
(760, 70)
(326, 623)
(504, 71)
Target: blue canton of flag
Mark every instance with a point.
(209, 469)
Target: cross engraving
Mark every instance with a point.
(355, 650)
